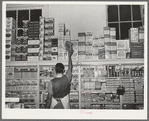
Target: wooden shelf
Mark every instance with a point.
(85, 62)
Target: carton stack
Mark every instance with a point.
(61, 44)
(95, 46)
(113, 43)
(136, 36)
(106, 32)
(10, 39)
(54, 48)
(89, 48)
(137, 50)
(41, 37)
(33, 40)
(48, 34)
(101, 47)
(81, 46)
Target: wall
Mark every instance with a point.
(79, 18)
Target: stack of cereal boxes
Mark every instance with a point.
(82, 46)
(48, 34)
(10, 39)
(33, 40)
(89, 48)
(61, 45)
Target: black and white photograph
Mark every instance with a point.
(74, 60)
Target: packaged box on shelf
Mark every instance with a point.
(113, 38)
(107, 46)
(10, 35)
(74, 106)
(61, 28)
(9, 72)
(133, 34)
(107, 38)
(101, 42)
(74, 86)
(122, 44)
(95, 41)
(54, 49)
(60, 37)
(82, 55)
(113, 46)
(32, 58)
(101, 97)
(60, 43)
(49, 20)
(81, 37)
(18, 57)
(109, 97)
(106, 30)
(81, 46)
(141, 34)
(121, 53)
(54, 58)
(33, 50)
(24, 57)
(94, 97)
(113, 54)
(49, 32)
(112, 31)
(49, 25)
(102, 54)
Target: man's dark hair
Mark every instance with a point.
(59, 68)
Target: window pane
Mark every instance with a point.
(22, 15)
(124, 30)
(11, 14)
(35, 14)
(117, 29)
(136, 12)
(112, 13)
(125, 13)
(137, 24)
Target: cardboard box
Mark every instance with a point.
(32, 58)
(101, 53)
(47, 57)
(122, 44)
(49, 25)
(112, 31)
(81, 46)
(33, 50)
(107, 54)
(133, 34)
(107, 46)
(54, 57)
(49, 20)
(95, 41)
(33, 42)
(106, 31)
(113, 46)
(121, 53)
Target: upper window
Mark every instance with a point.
(124, 17)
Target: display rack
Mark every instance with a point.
(119, 62)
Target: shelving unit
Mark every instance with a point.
(79, 64)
